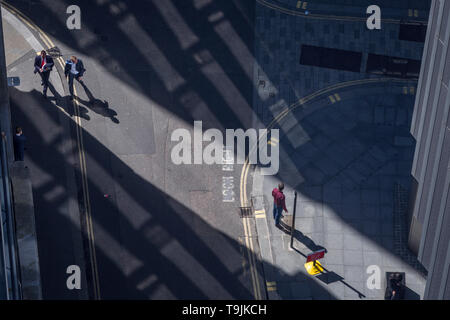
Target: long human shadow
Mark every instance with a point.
(328, 276)
(300, 237)
(64, 102)
(98, 106)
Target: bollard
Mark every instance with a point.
(293, 220)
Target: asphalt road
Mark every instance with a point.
(160, 231)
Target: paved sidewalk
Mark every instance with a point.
(347, 151)
(345, 197)
(47, 126)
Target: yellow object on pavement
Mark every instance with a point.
(313, 269)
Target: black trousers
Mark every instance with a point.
(19, 153)
(45, 76)
(71, 77)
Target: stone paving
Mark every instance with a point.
(344, 152)
(279, 47)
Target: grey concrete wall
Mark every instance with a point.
(26, 231)
(430, 222)
(5, 117)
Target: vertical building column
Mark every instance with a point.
(429, 233)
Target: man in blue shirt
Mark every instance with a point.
(74, 69)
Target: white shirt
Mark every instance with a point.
(73, 69)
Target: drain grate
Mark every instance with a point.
(245, 212)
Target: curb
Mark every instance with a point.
(26, 231)
(263, 233)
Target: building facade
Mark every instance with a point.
(429, 235)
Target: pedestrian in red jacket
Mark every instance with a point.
(279, 203)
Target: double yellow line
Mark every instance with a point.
(81, 153)
(249, 245)
(278, 8)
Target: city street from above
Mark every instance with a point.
(225, 150)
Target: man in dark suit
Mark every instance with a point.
(395, 289)
(44, 65)
(74, 69)
(19, 145)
